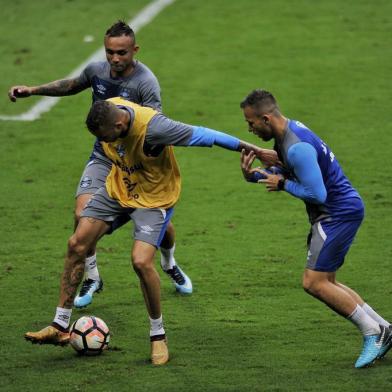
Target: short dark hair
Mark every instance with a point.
(120, 28)
(100, 114)
(261, 100)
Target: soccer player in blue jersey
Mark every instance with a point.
(121, 75)
(312, 173)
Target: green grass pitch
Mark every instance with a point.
(248, 326)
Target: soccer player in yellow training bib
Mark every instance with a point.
(144, 184)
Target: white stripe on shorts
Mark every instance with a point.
(321, 231)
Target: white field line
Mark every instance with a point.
(145, 16)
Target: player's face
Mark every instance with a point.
(258, 124)
(112, 133)
(119, 54)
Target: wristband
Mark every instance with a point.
(281, 183)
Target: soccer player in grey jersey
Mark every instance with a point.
(121, 75)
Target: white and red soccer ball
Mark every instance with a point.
(89, 335)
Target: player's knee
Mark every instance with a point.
(76, 247)
(140, 263)
(311, 286)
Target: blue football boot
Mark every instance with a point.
(373, 346)
(181, 281)
(85, 296)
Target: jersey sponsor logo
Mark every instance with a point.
(130, 187)
(86, 182)
(131, 169)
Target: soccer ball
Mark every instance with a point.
(89, 335)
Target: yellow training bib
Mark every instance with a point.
(137, 180)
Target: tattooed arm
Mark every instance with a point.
(58, 88)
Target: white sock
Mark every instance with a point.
(375, 316)
(167, 258)
(91, 268)
(364, 322)
(156, 326)
(63, 317)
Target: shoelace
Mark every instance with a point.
(176, 275)
(86, 286)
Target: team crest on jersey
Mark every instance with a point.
(86, 182)
(120, 150)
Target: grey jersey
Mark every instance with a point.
(163, 131)
(141, 86)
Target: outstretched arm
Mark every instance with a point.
(58, 88)
(208, 137)
(164, 131)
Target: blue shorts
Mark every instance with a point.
(328, 242)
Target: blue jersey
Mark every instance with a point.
(305, 155)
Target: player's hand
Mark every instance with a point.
(18, 92)
(271, 181)
(246, 163)
(268, 157)
(247, 160)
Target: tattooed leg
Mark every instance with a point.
(87, 234)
